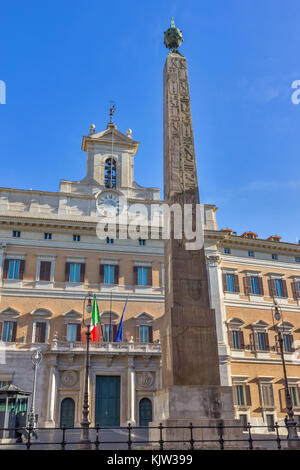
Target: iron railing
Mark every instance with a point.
(130, 437)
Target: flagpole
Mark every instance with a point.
(110, 332)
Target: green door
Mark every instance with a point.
(67, 412)
(107, 406)
(145, 411)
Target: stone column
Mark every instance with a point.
(131, 390)
(217, 303)
(52, 392)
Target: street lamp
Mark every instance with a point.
(85, 442)
(293, 439)
(35, 359)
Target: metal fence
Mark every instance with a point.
(130, 437)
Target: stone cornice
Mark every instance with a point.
(223, 239)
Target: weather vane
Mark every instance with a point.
(111, 112)
(173, 37)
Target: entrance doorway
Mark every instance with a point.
(67, 413)
(145, 412)
(107, 405)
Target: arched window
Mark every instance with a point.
(110, 173)
(67, 412)
(145, 412)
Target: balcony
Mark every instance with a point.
(119, 348)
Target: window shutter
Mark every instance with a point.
(67, 272)
(37, 333)
(267, 341)
(82, 272)
(137, 334)
(150, 334)
(149, 276)
(42, 332)
(78, 333)
(224, 282)
(254, 341)
(247, 285)
(65, 332)
(295, 290)
(284, 288)
(45, 270)
(5, 268)
(1, 326)
(101, 271)
(116, 274)
(272, 289)
(135, 275)
(241, 338)
(114, 332)
(22, 269)
(260, 285)
(248, 395)
(236, 283)
(230, 339)
(292, 343)
(14, 331)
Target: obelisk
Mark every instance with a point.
(191, 388)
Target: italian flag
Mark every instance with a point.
(95, 322)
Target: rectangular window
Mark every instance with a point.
(142, 242)
(72, 329)
(45, 271)
(230, 282)
(227, 251)
(240, 395)
(74, 272)
(244, 421)
(270, 422)
(236, 340)
(287, 342)
(267, 394)
(76, 238)
(108, 333)
(278, 288)
(274, 257)
(9, 331)
(297, 259)
(40, 332)
(109, 240)
(48, 236)
(16, 234)
(298, 286)
(142, 276)
(144, 334)
(13, 269)
(261, 340)
(254, 285)
(251, 254)
(109, 274)
(293, 389)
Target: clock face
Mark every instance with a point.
(109, 204)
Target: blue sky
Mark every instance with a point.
(63, 62)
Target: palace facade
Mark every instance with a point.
(51, 259)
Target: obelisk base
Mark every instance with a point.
(179, 406)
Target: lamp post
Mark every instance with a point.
(35, 359)
(293, 439)
(85, 442)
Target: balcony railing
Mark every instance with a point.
(105, 347)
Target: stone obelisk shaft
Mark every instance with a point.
(188, 333)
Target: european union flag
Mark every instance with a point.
(119, 334)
